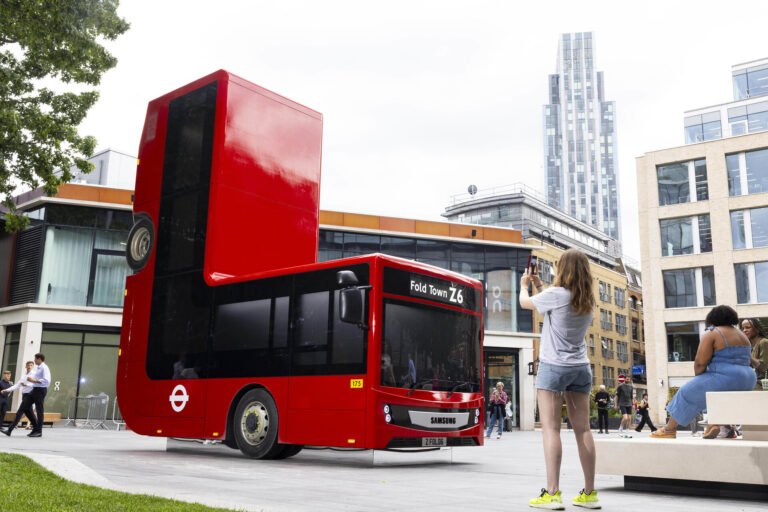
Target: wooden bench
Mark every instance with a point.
(729, 468)
(49, 418)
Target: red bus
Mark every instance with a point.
(232, 331)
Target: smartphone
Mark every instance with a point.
(533, 264)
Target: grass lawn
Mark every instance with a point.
(27, 486)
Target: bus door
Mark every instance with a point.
(326, 398)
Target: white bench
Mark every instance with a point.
(732, 468)
(746, 408)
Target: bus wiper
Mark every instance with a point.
(418, 383)
(457, 386)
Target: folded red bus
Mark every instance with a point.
(219, 342)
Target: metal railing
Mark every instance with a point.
(96, 415)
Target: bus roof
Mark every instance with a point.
(394, 261)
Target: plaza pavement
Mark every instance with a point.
(502, 475)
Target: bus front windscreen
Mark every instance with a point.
(430, 347)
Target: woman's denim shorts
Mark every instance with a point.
(564, 378)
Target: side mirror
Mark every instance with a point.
(346, 278)
(352, 306)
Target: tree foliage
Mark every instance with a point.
(51, 60)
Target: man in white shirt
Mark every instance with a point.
(26, 399)
(40, 381)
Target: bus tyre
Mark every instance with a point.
(255, 425)
(288, 450)
(141, 240)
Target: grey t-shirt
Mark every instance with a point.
(562, 338)
(624, 395)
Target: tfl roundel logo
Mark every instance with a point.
(179, 398)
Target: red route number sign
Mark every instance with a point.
(622, 379)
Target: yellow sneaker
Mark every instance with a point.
(548, 501)
(586, 500)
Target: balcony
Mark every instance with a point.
(606, 326)
(622, 357)
(607, 354)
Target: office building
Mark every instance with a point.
(703, 212)
(580, 157)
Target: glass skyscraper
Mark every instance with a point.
(580, 139)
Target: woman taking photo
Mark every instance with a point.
(721, 364)
(564, 371)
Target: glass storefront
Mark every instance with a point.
(82, 363)
(502, 365)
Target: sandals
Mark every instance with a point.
(712, 432)
(660, 434)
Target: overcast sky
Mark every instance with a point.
(421, 99)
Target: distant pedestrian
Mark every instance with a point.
(601, 399)
(5, 383)
(624, 397)
(753, 330)
(642, 409)
(25, 409)
(721, 364)
(564, 370)
(41, 380)
(497, 403)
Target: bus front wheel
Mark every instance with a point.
(255, 425)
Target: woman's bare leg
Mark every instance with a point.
(550, 413)
(578, 413)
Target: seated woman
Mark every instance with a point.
(721, 364)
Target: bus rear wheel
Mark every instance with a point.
(255, 425)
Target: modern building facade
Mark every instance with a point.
(747, 113)
(614, 347)
(580, 157)
(703, 212)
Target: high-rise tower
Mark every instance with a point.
(580, 138)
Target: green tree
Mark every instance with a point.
(51, 59)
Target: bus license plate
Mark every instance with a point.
(434, 441)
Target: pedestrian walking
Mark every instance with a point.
(601, 399)
(564, 371)
(25, 409)
(642, 409)
(40, 382)
(624, 396)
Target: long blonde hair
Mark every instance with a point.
(574, 275)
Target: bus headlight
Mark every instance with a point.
(477, 413)
(388, 417)
(386, 408)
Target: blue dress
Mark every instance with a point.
(728, 370)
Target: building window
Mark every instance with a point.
(683, 340)
(605, 291)
(546, 271)
(591, 344)
(750, 82)
(592, 369)
(703, 127)
(748, 118)
(686, 235)
(634, 329)
(621, 324)
(683, 182)
(607, 347)
(751, 282)
(747, 172)
(749, 228)
(609, 376)
(606, 320)
(621, 351)
(689, 287)
(83, 267)
(618, 297)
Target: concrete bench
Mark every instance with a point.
(746, 408)
(728, 468)
(49, 418)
